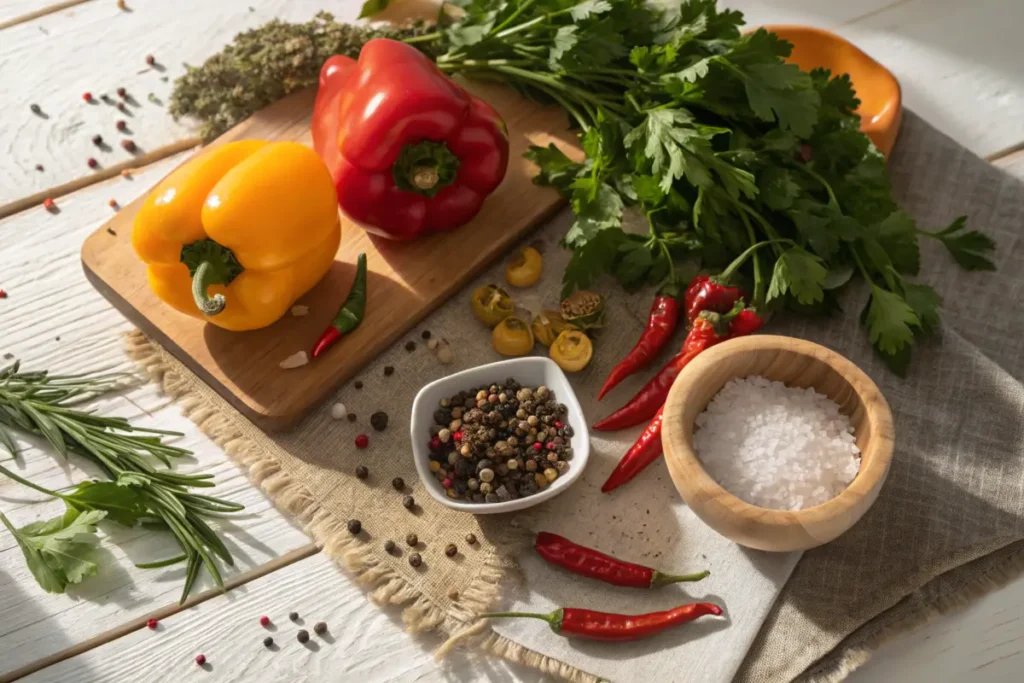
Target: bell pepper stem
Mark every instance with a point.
(659, 579)
(205, 277)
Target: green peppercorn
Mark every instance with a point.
(302, 636)
(408, 502)
(362, 472)
(320, 628)
(412, 539)
(379, 420)
(451, 550)
(415, 560)
(354, 526)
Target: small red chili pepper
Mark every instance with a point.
(200, 659)
(87, 96)
(661, 323)
(705, 293)
(264, 621)
(645, 404)
(746, 322)
(362, 441)
(350, 315)
(596, 565)
(151, 624)
(645, 450)
(585, 623)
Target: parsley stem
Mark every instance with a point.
(828, 188)
(759, 291)
(555, 83)
(768, 229)
(531, 23)
(860, 267)
(425, 38)
(512, 17)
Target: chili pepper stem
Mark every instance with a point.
(205, 277)
(554, 619)
(659, 579)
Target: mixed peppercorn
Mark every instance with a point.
(500, 442)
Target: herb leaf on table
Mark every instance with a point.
(54, 549)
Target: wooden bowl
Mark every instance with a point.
(881, 105)
(797, 363)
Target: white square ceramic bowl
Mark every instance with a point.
(530, 371)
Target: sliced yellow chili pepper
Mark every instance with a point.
(512, 337)
(572, 350)
(491, 304)
(524, 269)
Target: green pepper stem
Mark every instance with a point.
(550, 618)
(659, 579)
(205, 277)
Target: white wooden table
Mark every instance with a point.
(959, 64)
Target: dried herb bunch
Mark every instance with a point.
(264, 64)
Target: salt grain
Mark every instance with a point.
(775, 446)
(338, 411)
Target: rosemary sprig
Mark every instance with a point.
(44, 405)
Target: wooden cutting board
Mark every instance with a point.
(406, 280)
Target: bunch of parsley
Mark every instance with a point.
(720, 144)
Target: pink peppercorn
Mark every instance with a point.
(537, 446)
(550, 445)
(151, 624)
(92, 163)
(49, 204)
(457, 435)
(435, 444)
(362, 441)
(264, 621)
(121, 125)
(558, 425)
(87, 96)
(200, 659)
(447, 483)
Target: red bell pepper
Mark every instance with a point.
(410, 150)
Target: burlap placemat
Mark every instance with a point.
(955, 493)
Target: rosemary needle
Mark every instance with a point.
(42, 404)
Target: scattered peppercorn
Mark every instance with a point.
(379, 420)
(268, 642)
(453, 595)
(412, 539)
(320, 628)
(410, 345)
(107, 98)
(87, 96)
(398, 483)
(362, 472)
(451, 550)
(49, 204)
(111, 231)
(126, 173)
(112, 203)
(389, 370)
(351, 417)
(3, 294)
(200, 659)
(354, 526)
(358, 384)
(36, 109)
(39, 167)
(389, 546)
(362, 441)
(151, 624)
(150, 59)
(302, 636)
(153, 98)
(92, 162)
(425, 334)
(408, 502)
(471, 539)
(121, 4)
(294, 616)
(122, 107)
(121, 92)
(121, 125)
(415, 560)
(129, 145)
(97, 140)
(264, 621)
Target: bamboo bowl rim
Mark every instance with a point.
(698, 488)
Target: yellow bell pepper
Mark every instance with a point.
(237, 234)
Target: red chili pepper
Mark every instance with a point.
(645, 404)
(585, 623)
(349, 316)
(642, 453)
(409, 149)
(707, 294)
(746, 322)
(589, 562)
(661, 323)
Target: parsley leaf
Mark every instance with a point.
(556, 169)
(890, 321)
(925, 302)
(970, 248)
(53, 549)
(799, 273)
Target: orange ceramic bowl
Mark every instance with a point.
(881, 106)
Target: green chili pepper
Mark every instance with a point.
(349, 315)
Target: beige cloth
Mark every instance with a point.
(955, 493)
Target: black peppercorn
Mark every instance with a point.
(451, 550)
(294, 616)
(362, 472)
(351, 417)
(268, 641)
(398, 483)
(35, 108)
(425, 334)
(410, 345)
(471, 539)
(302, 636)
(379, 420)
(97, 140)
(358, 384)
(320, 628)
(150, 59)
(415, 560)
(408, 502)
(389, 370)
(412, 539)
(354, 526)
(389, 546)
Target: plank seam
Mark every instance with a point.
(41, 12)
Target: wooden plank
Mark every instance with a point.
(362, 644)
(14, 12)
(405, 283)
(53, 319)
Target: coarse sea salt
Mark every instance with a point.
(776, 446)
